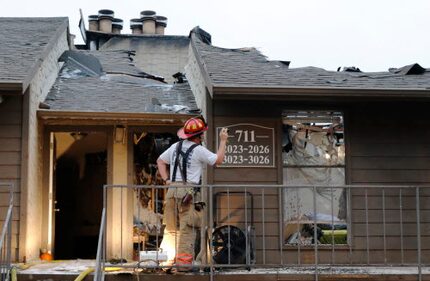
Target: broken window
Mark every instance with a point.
(313, 153)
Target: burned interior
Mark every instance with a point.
(148, 208)
(313, 151)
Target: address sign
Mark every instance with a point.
(249, 145)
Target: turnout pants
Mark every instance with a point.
(181, 222)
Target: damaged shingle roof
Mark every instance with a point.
(249, 68)
(105, 62)
(120, 87)
(23, 44)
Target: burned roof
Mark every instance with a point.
(159, 55)
(24, 42)
(108, 81)
(247, 67)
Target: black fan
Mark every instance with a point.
(229, 245)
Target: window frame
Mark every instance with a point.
(343, 165)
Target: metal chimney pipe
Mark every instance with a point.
(136, 26)
(160, 24)
(117, 25)
(148, 22)
(93, 23)
(105, 20)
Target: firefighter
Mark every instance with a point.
(186, 159)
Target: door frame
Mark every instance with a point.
(48, 227)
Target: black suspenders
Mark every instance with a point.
(185, 156)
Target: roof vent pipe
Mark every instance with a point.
(93, 22)
(148, 22)
(136, 26)
(160, 24)
(117, 25)
(105, 20)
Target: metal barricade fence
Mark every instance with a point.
(6, 190)
(267, 226)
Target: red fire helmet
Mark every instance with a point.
(192, 127)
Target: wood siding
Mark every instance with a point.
(10, 161)
(232, 212)
(387, 144)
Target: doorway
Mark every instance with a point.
(80, 171)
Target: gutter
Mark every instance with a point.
(279, 91)
(11, 87)
(51, 117)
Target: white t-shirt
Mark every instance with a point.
(197, 158)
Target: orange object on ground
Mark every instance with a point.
(46, 256)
